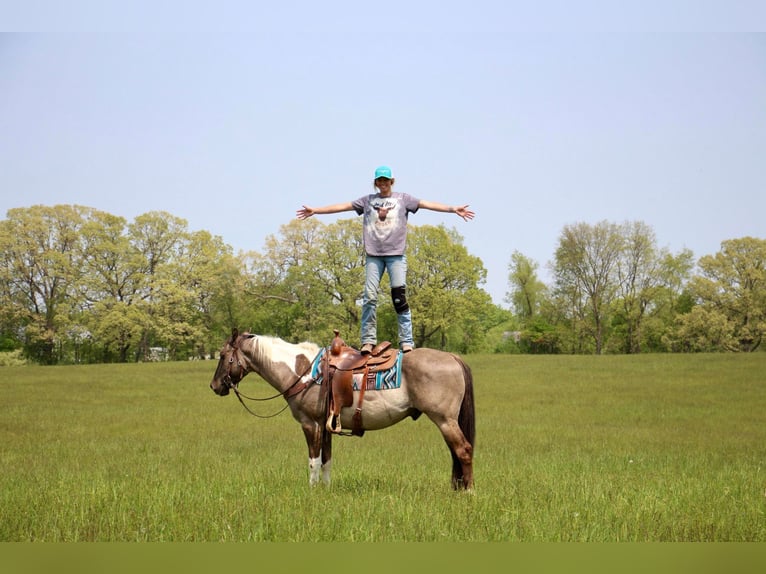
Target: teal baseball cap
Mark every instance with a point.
(383, 171)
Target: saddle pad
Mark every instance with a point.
(380, 381)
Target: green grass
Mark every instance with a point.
(638, 448)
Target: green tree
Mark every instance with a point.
(159, 237)
(41, 271)
(637, 278)
(489, 329)
(530, 300)
(527, 291)
(114, 287)
(200, 269)
(669, 298)
(703, 329)
(339, 267)
(443, 287)
(308, 280)
(585, 263)
(214, 277)
(732, 283)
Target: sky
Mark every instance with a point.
(232, 117)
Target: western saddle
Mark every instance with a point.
(341, 363)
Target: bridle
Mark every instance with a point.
(226, 379)
(294, 389)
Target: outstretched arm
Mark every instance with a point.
(307, 211)
(462, 211)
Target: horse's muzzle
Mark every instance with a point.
(221, 388)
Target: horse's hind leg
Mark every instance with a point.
(462, 454)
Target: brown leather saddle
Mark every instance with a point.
(341, 364)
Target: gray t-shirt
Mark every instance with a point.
(385, 222)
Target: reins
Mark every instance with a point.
(240, 396)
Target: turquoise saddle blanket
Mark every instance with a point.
(380, 381)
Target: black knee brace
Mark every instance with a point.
(399, 297)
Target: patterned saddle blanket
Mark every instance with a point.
(376, 381)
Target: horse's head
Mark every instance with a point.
(232, 365)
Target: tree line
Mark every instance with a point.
(615, 291)
(79, 285)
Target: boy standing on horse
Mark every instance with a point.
(385, 236)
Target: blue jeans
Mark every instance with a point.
(374, 267)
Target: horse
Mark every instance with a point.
(437, 383)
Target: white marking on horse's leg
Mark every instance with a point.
(326, 469)
(315, 465)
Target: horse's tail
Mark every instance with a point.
(466, 418)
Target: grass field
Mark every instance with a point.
(615, 448)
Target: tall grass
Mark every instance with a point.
(643, 448)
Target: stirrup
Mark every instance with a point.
(333, 424)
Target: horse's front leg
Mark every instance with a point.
(313, 433)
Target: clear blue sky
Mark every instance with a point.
(536, 120)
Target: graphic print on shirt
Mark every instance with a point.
(384, 206)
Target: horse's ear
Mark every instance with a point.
(234, 334)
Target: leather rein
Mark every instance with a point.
(294, 389)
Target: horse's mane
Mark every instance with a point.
(268, 347)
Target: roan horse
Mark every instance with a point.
(433, 382)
